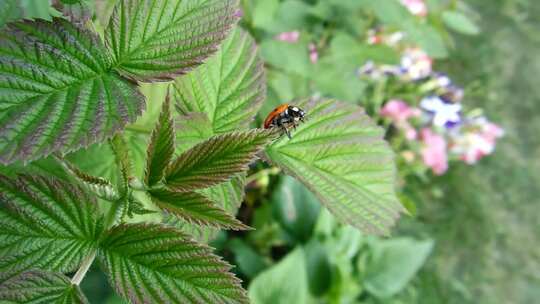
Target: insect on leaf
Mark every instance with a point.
(229, 88)
(215, 160)
(57, 90)
(161, 39)
(156, 264)
(46, 224)
(41, 287)
(340, 155)
(161, 148)
(195, 208)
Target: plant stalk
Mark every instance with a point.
(85, 265)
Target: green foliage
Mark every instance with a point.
(229, 88)
(9, 10)
(285, 282)
(295, 208)
(46, 224)
(97, 185)
(340, 155)
(393, 263)
(157, 40)
(195, 208)
(215, 160)
(41, 287)
(153, 263)
(249, 262)
(161, 148)
(57, 91)
(318, 267)
(460, 23)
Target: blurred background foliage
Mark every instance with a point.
(473, 233)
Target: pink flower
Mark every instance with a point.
(473, 145)
(434, 151)
(399, 111)
(313, 54)
(410, 132)
(291, 37)
(491, 132)
(416, 7)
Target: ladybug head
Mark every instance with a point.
(296, 112)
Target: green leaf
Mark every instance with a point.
(136, 207)
(157, 40)
(249, 262)
(460, 23)
(195, 208)
(215, 160)
(393, 263)
(295, 208)
(100, 159)
(285, 282)
(161, 148)
(264, 12)
(9, 10)
(289, 57)
(427, 38)
(157, 264)
(228, 196)
(340, 155)
(193, 129)
(319, 269)
(388, 11)
(41, 287)
(229, 88)
(97, 185)
(122, 160)
(57, 92)
(46, 224)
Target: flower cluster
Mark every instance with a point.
(433, 121)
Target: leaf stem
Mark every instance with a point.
(83, 269)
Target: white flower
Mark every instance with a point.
(416, 63)
(416, 7)
(443, 113)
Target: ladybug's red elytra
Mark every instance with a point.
(284, 117)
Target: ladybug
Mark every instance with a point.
(284, 116)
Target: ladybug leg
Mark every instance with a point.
(286, 131)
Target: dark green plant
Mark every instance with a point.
(77, 186)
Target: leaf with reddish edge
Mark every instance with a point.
(57, 90)
(339, 153)
(41, 287)
(160, 39)
(161, 148)
(151, 263)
